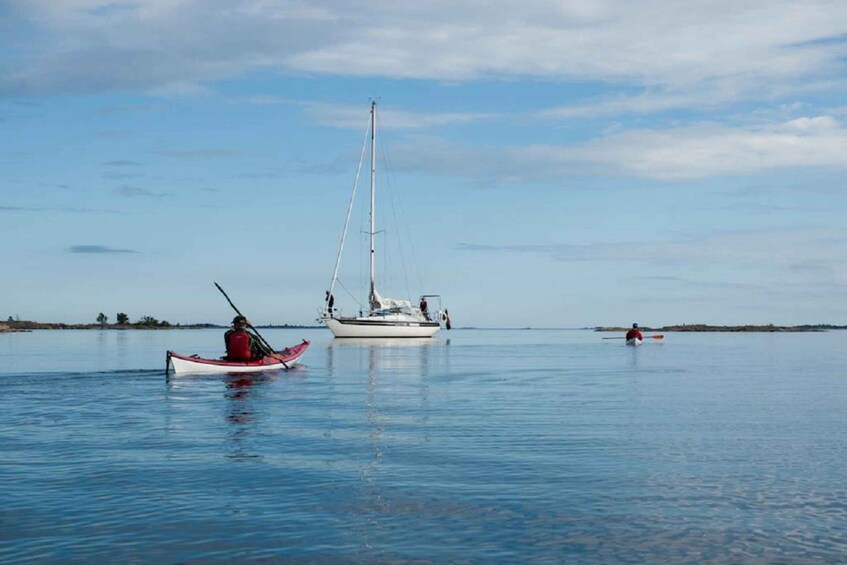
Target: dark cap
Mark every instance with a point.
(634, 325)
(239, 320)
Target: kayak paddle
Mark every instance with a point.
(660, 336)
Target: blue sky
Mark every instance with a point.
(556, 164)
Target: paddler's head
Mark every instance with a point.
(239, 322)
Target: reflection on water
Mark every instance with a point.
(121, 346)
(244, 408)
(241, 411)
(386, 363)
(369, 469)
(238, 393)
(385, 353)
(385, 342)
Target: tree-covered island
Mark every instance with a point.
(122, 322)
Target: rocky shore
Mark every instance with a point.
(26, 326)
(768, 328)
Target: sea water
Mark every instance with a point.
(477, 446)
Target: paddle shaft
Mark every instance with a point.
(645, 337)
(249, 325)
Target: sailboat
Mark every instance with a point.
(385, 317)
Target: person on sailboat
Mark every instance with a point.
(330, 302)
(634, 333)
(242, 345)
(424, 307)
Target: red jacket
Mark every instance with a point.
(634, 332)
(238, 345)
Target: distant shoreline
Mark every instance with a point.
(25, 326)
(767, 328)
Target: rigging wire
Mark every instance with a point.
(349, 210)
(350, 294)
(397, 203)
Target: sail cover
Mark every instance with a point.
(378, 302)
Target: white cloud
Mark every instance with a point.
(189, 154)
(809, 125)
(718, 48)
(644, 103)
(697, 151)
(707, 150)
(801, 257)
(134, 191)
(703, 150)
(356, 117)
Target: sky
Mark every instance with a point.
(546, 164)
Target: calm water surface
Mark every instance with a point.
(500, 446)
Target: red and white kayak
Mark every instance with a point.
(633, 341)
(285, 359)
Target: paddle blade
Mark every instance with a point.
(657, 336)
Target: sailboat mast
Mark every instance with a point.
(373, 187)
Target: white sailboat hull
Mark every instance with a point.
(379, 327)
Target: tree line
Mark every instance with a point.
(122, 319)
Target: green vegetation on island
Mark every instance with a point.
(13, 324)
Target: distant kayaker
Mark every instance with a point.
(634, 333)
(242, 345)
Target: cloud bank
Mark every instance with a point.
(717, 49)
(689, 152)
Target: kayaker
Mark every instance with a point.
(242, 345)
(634, 333)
